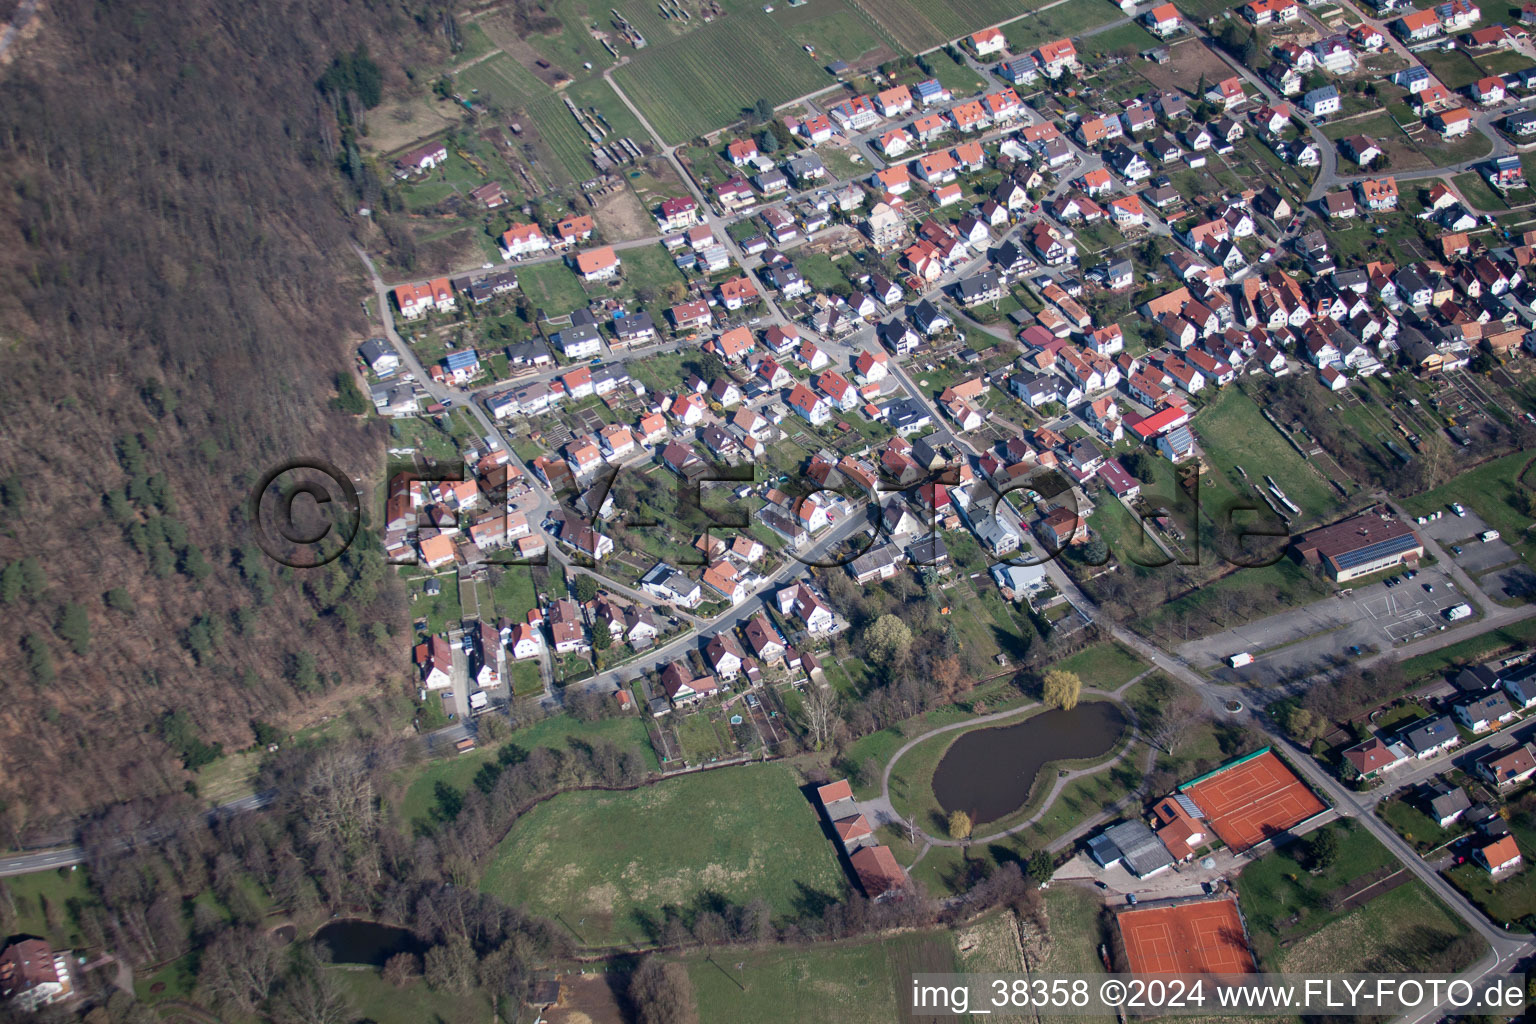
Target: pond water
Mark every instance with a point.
(366, 942)
(988, 773)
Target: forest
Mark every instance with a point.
(179, 305)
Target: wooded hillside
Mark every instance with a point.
(179, 296)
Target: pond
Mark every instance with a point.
(366, 942)
(988, 773)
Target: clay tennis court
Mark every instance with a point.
(1252, 800)
(1192, 938)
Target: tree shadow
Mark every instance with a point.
(811, 903)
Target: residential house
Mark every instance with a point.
(1505, 769)
(1323, 101)
(597, 264)
(1163, 20)
(1378, 194)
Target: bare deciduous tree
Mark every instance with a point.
(240, 968)
(312, 997)
(819, 714)
(1176, 718)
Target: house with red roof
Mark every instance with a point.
(871, 365)
(1056, 57)
(1266, 12)
(988, 41)
(687, 316)
(1499, 856)
(1159, 423)
(1163, 20)
(894, 102)
(879, 874)
(598, 264)
(523, 240)
(732, 346)
(741, 152)
(574, 229)
(435, 660)
(810, 406)
(737, 292)
(678, 213)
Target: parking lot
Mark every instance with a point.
(1477, 556)
(1372, 617)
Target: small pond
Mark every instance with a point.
(988, 773)
(366, 942)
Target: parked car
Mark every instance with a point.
(1456, 508)
(1455, 549)
(1429, 588)
(1130, 898)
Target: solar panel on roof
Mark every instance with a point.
(1379, 549)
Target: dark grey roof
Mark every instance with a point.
(1446, 800)
(875, 559)
(1430, 734)
(635, 323)
(1140, 849)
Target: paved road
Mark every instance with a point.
(64, 856)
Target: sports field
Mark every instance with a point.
(606, 865)
(1205, 937)
(1253, 799)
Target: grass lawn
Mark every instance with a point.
(702, 740)
(1283, 899)
(553, 287)
(1471, 650)
(1131, 36)
(41, 900)
(744, 831)
(1083, 798)
(1454, 69)
(1262, 590)
(839, 35)
(1059, 21)
(1512, 898)
(954, 76)
(1408, 821)
(912, 781)
(649, 268)
(555, 733)
(175, 980)
(1407, 929)
(1490, 490)
(230, 777)
(376, 1000)
(1234, 433)
(1474, 187)
(850, 983)
(1128, 543)
(1106, 666)
(527, 680)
